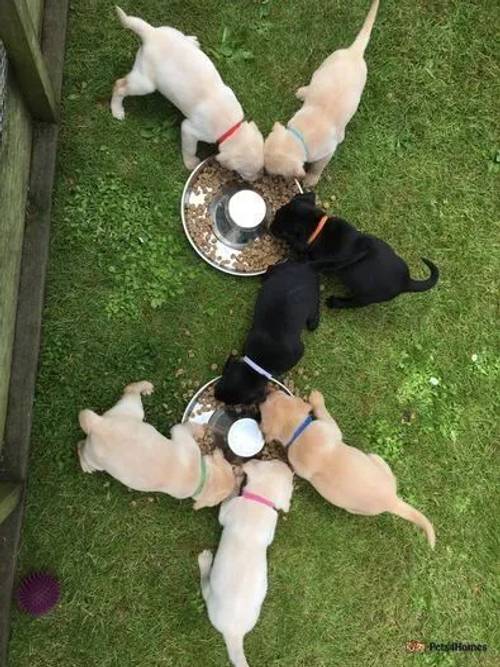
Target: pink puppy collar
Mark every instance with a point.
(258, 499)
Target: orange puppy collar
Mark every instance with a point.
(318, 230)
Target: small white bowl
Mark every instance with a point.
(245, 438)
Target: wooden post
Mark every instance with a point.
(23, 50)
(9, 497)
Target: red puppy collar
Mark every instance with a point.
(229, 133)
(318, 230)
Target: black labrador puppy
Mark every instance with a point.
(368, 266)
(287, 303)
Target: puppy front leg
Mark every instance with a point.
(317, 402)
(189, 145)
(315, 171)
(301, 93)
(130, 404)
(205, 559)
(314, 316)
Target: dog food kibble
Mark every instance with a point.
(258, 254)
(207, 403)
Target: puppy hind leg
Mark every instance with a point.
(133, 84)
(383, 464)
(86, 464)
(350, 302)
(205, 559)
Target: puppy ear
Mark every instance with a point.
(309, 196)
(261, 394)
(230, 361)
(198, 505)
(222, 160)
(218, 455)
(248, 466)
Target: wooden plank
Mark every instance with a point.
(10, 494)
(29, 313)
(20, 39)
(15, 156)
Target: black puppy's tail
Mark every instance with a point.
(424, 285)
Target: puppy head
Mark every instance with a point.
(244, 153)
(279, 413)
(239, 384)
(283, 156)
(221, 481)
(295, 222)
(273, 479)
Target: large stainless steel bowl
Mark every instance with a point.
(236, 219)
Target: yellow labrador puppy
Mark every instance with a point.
(174, 64)
(234, 585)
(137, 455)
(345, 476)
(330, 101)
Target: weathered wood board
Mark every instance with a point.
(15, 156)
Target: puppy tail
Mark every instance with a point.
(88, 421)
(424, 285)
(409, 513)
(361, 41)
(234, 645)
(133, 23)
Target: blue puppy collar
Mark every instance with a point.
(258, 369)
(298, 135)
(300, 429)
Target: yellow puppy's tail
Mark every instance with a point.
(234, 645)
(88, 421)
(133, 23)
(361, 41)
(409, 513)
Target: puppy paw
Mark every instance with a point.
(301, 92)
(84, 464)
(142, 387)
(310, 181)
(117, 112)
(205, 559)
(196, 430)
(316, 399)
(191, 162)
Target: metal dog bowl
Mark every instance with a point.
(236, 432)
(239, 215)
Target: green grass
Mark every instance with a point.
(127, 299)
